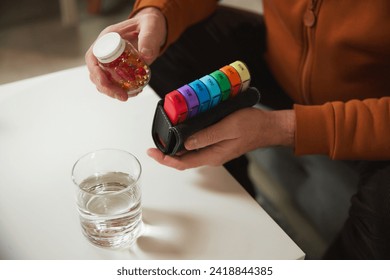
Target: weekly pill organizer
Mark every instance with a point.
(207, 92)
(201, 103)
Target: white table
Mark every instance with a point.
(47, 122)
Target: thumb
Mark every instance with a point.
(208, 136)
(150, 38)
(147, 48)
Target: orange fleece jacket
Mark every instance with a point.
(331, 57)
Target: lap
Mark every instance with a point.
(366, 233)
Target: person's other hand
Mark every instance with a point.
(146, 31)
(238, 133)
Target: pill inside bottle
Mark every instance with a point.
(122, 63)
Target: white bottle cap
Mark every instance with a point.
(108, 47)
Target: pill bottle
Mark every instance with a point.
(122, 63)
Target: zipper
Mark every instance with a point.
(309, 21)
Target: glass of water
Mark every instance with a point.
(108, 197)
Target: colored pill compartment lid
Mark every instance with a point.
(213, 88)
(175, 107)
(223, 83)
(243, 71)
(234, 79)
(203, 95)
(191, 99)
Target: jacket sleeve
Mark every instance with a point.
(179, 14)
(355, 130)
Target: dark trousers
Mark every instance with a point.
(366, 232)
(232, 34)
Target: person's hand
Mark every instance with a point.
(238, 133)
(146, 31)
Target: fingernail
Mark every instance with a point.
(149, 152)
(191, 143)
(120, 97)
(147, 53)
(123, 98)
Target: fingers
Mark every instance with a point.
(213, 146)
(229, 138)
(147, 30)
(102, 83)
(152, 33)
(171, 161)
(210, 135)
(105, 86)
(147, 43)
(215, 155)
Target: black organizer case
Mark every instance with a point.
(170, 138)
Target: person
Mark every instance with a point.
(323, 67)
